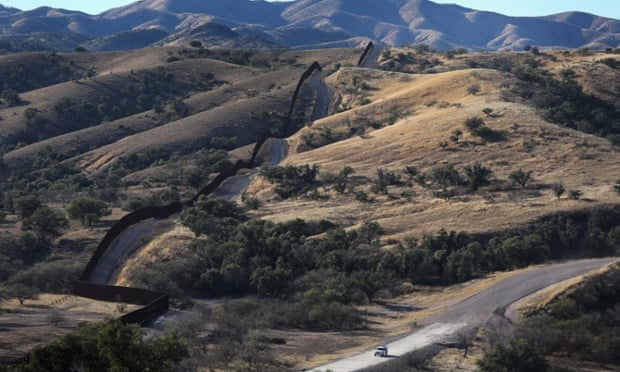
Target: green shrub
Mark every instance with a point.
(517, 356)
(520, 177)
(290, 180)
(477, 175)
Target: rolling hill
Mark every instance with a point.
(99, 110)
(418, 142)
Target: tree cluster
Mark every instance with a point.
(108, 346)
(580, 325)
(563, 101)
(291, 180)
(322, 278)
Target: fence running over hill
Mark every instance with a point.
(156, 303)
(366, 53)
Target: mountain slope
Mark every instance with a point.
(310, 23)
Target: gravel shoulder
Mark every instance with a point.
(473, 311)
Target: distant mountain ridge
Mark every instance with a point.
(304, 24)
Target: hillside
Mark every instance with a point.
(430, 174)
(427, 110)
(300, 24)
(149, 112)
(133, 92)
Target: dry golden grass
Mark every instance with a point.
(431, 108)
(169, 242)
(428, 109)
(246, 91)
(46, 318)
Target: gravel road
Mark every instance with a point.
(473, 311)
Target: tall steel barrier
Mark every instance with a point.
(366, 53)
(121, 225)
(156, 303)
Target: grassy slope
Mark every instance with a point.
(429, 108)
(246, 91)
(434, 106)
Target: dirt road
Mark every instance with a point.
(232, 188)
(473, 311)
(371, 59)
(323, 95)
(118, 251)
(278, 151)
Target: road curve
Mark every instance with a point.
(473, 311)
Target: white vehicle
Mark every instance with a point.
(381, 351)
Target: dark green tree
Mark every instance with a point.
(108, 346)
(520, 177)
(473, 89)
(477, 127)
(574, 194)
(45, 223)
(23, 292)
(11, 97)
(49, 276)
(26, 205)
(369, 232)
(291, 180)
(558, 189)
(271, 282)
(446, 176)
(519, 251)
(477, 175)
(87, 210)
(342, 181)
(212, 216)
(518, 356)
(456, 135)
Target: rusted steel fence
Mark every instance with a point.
(156, 303)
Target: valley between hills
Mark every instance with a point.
(413, 180)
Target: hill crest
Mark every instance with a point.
(312, 23)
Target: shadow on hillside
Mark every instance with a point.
(494, 136)
(75, 245)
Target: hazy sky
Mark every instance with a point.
(607, 8)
